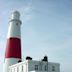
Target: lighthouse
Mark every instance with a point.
(13, 60)
(13, 46)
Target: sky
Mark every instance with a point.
(46, 30)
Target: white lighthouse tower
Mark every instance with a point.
(13, 47)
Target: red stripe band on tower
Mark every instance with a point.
(13, 49)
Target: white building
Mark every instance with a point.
(35, 66)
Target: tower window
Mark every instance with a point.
(17, 24)
(36, 67)
(53, 68)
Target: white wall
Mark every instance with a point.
(20, 67)
(56, 67)
(52, 67)
(41, 65)
(29, 66)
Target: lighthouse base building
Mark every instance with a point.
(35, 66)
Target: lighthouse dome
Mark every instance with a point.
(15, 15)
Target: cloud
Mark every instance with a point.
(26, 12)
(27, 9)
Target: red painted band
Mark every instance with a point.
(13, 48)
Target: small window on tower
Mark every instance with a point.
(17, 24)
(36, 67)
